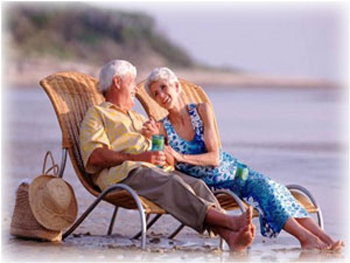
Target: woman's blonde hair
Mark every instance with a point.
(160, 74)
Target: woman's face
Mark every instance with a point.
(165, 94)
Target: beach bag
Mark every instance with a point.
(44, 207)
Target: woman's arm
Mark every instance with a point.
(170, 159)
(211, 158)
(150, 127)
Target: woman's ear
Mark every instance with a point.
(116, 81)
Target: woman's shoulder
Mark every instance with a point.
(165, 122)
(204, 109)
(201, 106)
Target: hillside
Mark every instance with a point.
(78, 32)
(42, 38)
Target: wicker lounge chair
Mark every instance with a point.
(192, 93)
(72, 94)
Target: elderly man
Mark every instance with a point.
(115, 149)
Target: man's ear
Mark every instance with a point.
(116, 81)
(177, 86)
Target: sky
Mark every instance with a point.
(285, 39)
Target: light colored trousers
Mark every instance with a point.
(185, 198)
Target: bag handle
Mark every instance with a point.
(54, 167)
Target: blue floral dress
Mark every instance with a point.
(273, 201)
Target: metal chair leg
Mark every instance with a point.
(151, 223)
(238, 201)
(98, 200)
(63, 162)
(306, 192)
(172, 235)
(110, 229)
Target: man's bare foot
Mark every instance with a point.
(314, 243)
(238, 222)
(338, 245)
(239, 241)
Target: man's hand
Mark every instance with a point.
(150, 127)
(156, 157)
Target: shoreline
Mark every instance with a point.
(30, 72)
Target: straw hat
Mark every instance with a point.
(24, 224)
(52, 202)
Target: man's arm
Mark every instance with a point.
(105, 158)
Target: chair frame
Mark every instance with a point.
(144, 208)
(295, 188)
(192, 93)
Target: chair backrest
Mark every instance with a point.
(72, 94)
(191, 93)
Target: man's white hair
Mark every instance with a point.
(160, 74)
(120, 68)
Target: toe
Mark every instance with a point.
(337, 245)
(246, 228)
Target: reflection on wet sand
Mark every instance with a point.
(159, 248)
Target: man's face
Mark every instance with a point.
(128, 90)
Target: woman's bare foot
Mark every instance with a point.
(338, 245)
(239, 241)
(314, 242)
(238, 222)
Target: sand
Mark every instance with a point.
(30, 129)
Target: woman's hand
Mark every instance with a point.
(169, 158)
(168, 150)
(150, 127)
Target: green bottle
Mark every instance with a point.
(242, 173)
(157, 143)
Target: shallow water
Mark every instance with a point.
(294, 136)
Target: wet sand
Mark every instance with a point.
(291, 136)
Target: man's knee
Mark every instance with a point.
(148, 173)
(200, 183)
(177, 182)
(201, 186)
(164, 178)
(175, 178)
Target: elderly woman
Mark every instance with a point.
(193, 143)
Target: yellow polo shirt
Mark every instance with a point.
(106, 125)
